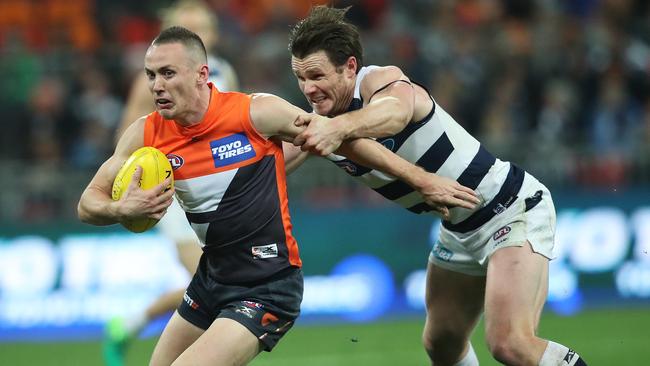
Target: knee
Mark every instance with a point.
(444, 347)
(508, 347)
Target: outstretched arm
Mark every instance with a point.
(391, 106)
(439, 192)
(273, 116)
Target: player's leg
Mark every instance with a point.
(516, 290)
(454, 304)
(517, 286)
(515, 293)
(121, 330)
(256, 321)
(189, 252)
(179, 334)
(226, 342)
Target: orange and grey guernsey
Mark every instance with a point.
(231, 183)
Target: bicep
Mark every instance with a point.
(388, 82)
(274, 116)
(402, 90)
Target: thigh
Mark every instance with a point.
(178, 335)
(226, 342)
(189, 253)
(454, 302)
(517, 284)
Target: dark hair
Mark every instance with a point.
(183, 36)
(325, 29)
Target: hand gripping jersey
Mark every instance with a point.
(231, 183)
(440, 145)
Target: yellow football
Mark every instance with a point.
(155, 169)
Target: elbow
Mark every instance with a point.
(82, 214)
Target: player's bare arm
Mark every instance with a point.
(390, 107)
(273, 116)
(96, 205)
(438, 192)
(293, 157)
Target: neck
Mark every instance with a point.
(198, 110)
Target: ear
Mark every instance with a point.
(351, 66)
(203, 75)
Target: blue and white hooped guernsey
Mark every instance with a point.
(440, 145)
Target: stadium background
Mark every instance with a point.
(559, 87)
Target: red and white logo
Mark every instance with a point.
(501, 233)
(175, 160)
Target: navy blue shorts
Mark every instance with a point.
(267, 308)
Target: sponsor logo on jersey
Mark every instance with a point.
(442, 253)
(501, 232)
(175, 160)
(231, 149)
(189, 301)
(265, 251)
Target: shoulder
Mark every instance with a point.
(378, 77)
(133, 137)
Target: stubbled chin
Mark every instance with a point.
(320, 108)
(166, 113)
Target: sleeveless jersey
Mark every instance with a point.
(231, 183)
(440, 145)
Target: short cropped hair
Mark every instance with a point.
(185, 37)
(325, 29)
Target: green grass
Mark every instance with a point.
(617, 338)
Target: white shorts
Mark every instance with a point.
(469, 253)
(174, 225)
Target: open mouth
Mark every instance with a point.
(163, 103)
(318, 100)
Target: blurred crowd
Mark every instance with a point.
(561, 87)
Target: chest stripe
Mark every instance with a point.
(431, 161)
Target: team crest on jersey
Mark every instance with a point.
(349, 167)
(175, 160)
(389, 144)
(231, 149)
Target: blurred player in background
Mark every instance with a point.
(198, 17)
(246, 292)
(492, 259)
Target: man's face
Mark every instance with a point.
(327, 88)
(172, 76)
